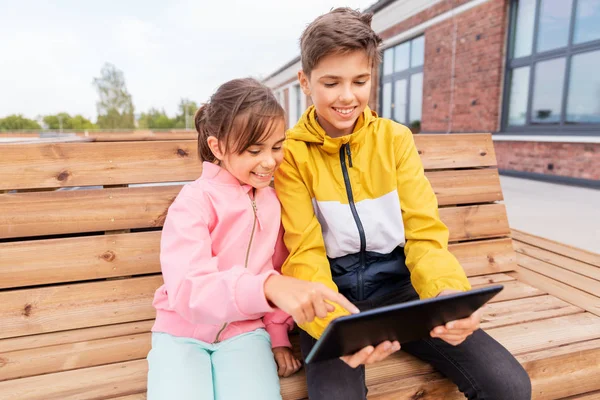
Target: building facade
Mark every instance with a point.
(528, 71)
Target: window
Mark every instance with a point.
(402, 83)
(551, 82)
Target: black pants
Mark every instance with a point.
(481, 367)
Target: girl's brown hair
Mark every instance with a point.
(241, 113)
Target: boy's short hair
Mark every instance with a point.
(342, 30)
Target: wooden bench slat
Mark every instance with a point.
(82, 384)
(88, 164)
(456, 150)
(559, 289)
(558, 260)
(475, 222)
(466, 186)
(75, 335)
(62, 307)
(576, 280)
(512, 312)
(559, 248)
(485, 256)
(64, 357)
(514, 290)
(51, 213)
(38, 262)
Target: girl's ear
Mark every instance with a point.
(213, 144)
(304, 84)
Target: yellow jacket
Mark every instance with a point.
(372, 180)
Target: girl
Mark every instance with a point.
(218, 333)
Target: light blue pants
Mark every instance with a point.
(242, 367)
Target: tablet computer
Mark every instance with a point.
(403, 322)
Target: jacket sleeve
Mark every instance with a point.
(196, 288)
(277, 323)
(303, 238)
(433, 268)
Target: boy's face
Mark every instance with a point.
(340, 87)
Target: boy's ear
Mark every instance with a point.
(213, 144)
(304, 83)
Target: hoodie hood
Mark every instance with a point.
(308, 130)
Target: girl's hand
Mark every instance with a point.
(287, 364)
(304, 300)
(456, 332)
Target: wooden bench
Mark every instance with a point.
(78, 269)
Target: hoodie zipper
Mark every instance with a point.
(345, 150)
(254, 209)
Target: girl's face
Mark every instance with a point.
(257, 164)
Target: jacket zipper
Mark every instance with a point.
(254, 209)
(345, 149)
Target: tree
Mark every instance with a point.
(155, 119)
(115, 108)
(186, 108)
(65, 121)
(16, 122)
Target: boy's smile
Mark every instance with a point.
(340, 87)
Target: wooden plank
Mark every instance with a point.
(558, 260)
(75, 335)
(50, 213)
(576, 280)
(63, 307)
(490, 279)
(514, 290)
(559, 248)
(88, 164)
(83, 384)
(475, 222)
(138, 396)
(65, 357)
(559, 289)
(586, 396)
(141, 136)
(36, 262)
(466, 186)
(440, 151)
(512, 312)
(485, 256)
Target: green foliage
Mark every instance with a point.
(115, 107)
(76, 122)
(17, 122)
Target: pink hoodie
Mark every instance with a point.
(215, 256)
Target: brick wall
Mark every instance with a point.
(479, 61)
(575, 160)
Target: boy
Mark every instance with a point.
(360, 217)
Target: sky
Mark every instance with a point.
(50, 52)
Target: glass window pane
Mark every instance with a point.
(519, 87)
(388, 61)
(402, 57)
(524, 28)
(400, 101)
(547, 91)
(587, 21)
(417, 51)
(386, 101)
(416, 98)
(583, 103)
(553, 31)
